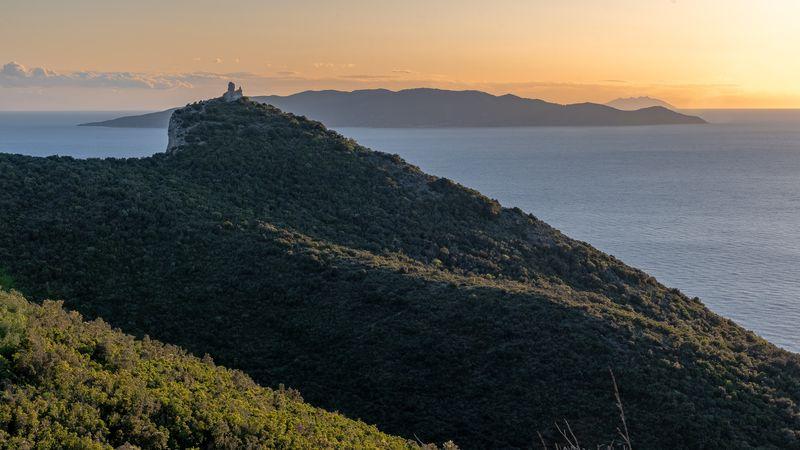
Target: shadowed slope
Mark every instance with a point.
(284, 249)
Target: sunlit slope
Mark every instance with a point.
(73, 384)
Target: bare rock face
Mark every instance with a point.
(179, 126)
(176, 133)
(232, 94)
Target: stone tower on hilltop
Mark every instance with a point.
(233, 94)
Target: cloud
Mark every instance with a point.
(366, 77)
(15, 74)
(330, 65)
(14, 69)
(154, 90)
(218, 60)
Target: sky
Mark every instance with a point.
(148, 54)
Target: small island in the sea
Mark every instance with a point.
(637, 103)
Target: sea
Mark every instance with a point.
(713, 210)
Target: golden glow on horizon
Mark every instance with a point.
(692, 53)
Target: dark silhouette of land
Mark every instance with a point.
(158, 119)
(436, 108)
(634, 103)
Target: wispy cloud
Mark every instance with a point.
(330, 65)
(14, 74)
(366, 77)
(163, 89)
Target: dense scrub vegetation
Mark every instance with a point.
(287, 251)
(71, 384)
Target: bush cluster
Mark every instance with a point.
(71, 384)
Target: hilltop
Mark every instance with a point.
(436, 108)
(288, 251)
(73, 384)
(636, 103)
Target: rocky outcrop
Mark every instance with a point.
(176, 133)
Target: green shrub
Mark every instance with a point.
(12, 324)
(6, 282)
(82, 385)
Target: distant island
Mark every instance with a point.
(381, 108)
(636, 103)
(159, 119)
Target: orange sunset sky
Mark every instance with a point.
(147, 54)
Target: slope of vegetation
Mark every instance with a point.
(71, 384)
(289, 252)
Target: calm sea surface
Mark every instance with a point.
(712, 210)
(56, 133)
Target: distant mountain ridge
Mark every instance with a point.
(636, 103)
(424, 107)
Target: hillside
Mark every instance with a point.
(437, 108)
(72, 384)
(635, 103)
(292, 253)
